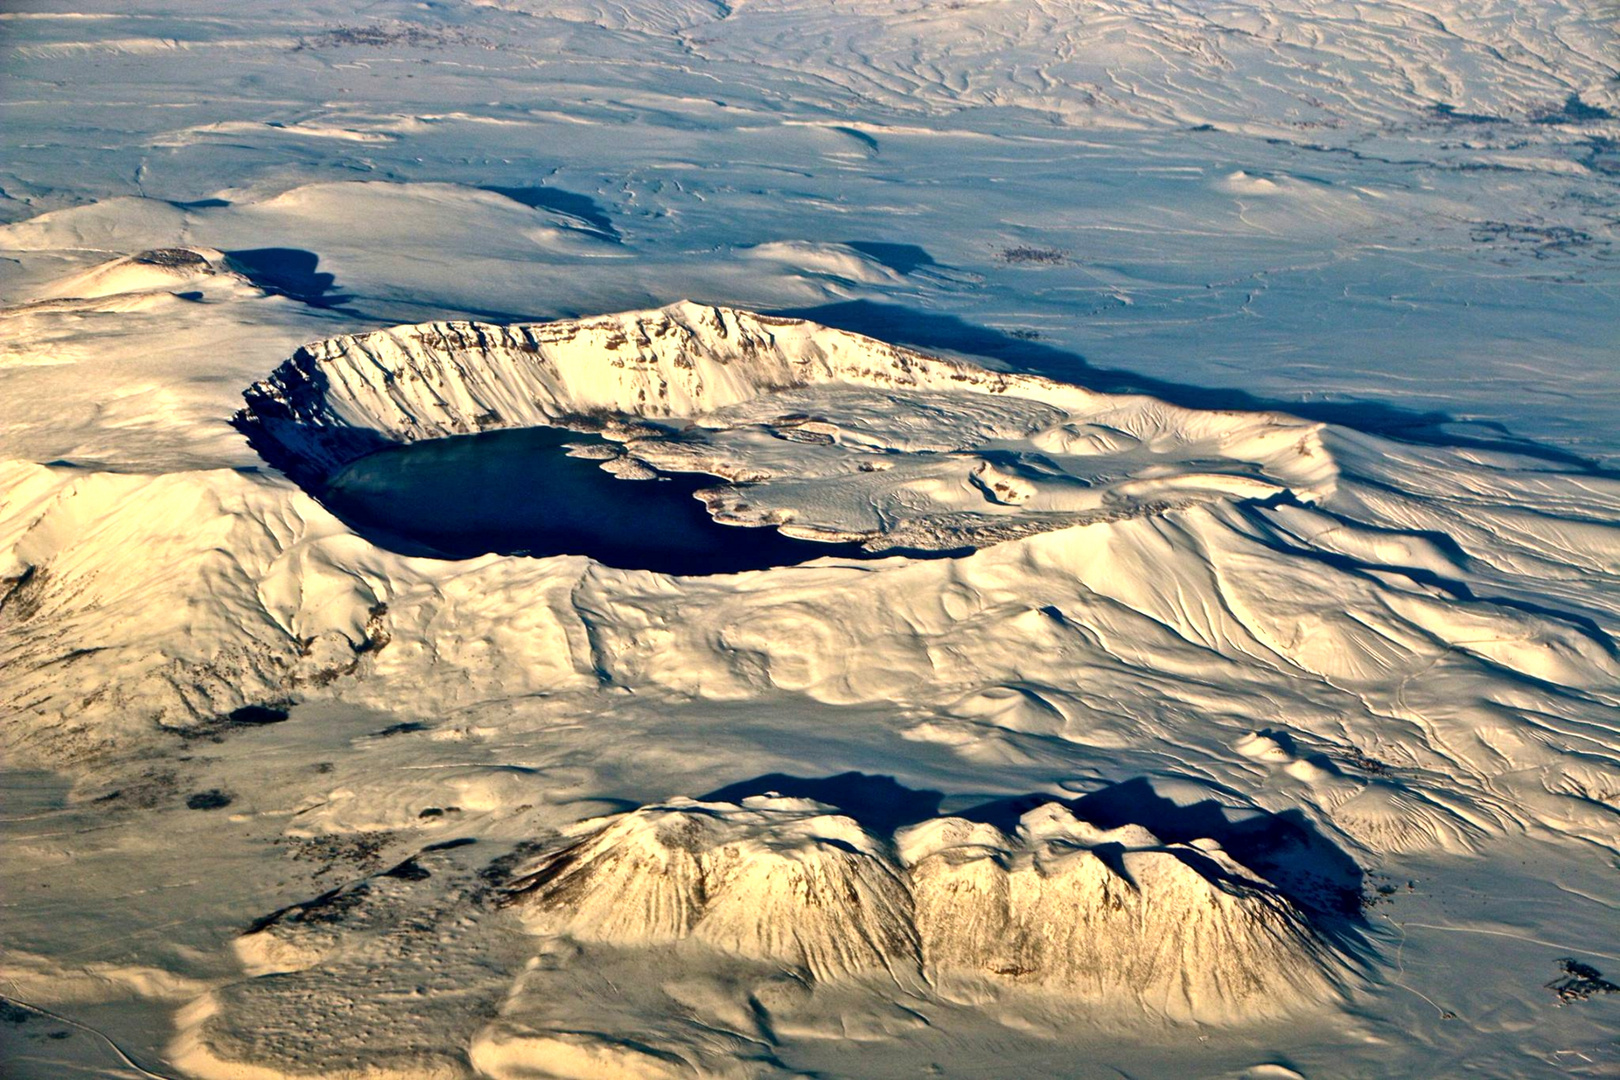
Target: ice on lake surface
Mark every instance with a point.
(520, 493)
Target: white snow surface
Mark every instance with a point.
(1180, 930)
(1263, 354)
(839, 436)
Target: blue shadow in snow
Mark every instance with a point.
(879, 804)
(901, 258)
(931, 330)
(572, 203)
(289, 272)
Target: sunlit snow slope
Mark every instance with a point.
(1223, 400)
(1415, 645)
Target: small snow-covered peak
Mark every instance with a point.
(1055, 823)
(941, 834)
(161, 269)
(781, 880)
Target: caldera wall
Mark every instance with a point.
(336, 400)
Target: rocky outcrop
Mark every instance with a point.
(784, 880)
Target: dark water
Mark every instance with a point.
(518, 493)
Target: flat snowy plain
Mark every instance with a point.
(1266, 352)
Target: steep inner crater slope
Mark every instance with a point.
(824, 435)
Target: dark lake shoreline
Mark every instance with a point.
(518, 492)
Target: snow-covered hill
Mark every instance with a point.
(1223, 395)
(1464, 600)
(1112, 917)
(1412, 647)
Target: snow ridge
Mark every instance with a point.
(1105, 916)
(836, 436)
(339, 398)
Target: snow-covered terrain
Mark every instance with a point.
(1222, 396)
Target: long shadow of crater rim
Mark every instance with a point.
(294, 271)
(926, 330)
(289, 272)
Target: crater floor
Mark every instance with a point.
(540, 492)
